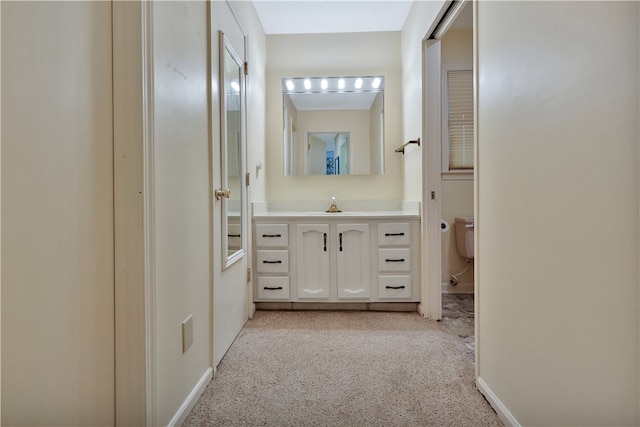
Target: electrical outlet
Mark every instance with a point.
(187, 333)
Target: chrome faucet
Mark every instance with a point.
(334, 206)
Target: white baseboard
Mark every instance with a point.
(507, 418)
(186, 407)
(460, 288)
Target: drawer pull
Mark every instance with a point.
(233, 235)
(271, 262)
(394, 287)
(272, 235)
(393, 234)
(275, 288)
(394, 260)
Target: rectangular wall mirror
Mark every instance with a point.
(333, 125)
(232, 192)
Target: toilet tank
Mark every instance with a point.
(465, 228)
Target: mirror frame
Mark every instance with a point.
(229, 259)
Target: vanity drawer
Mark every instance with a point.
(394, 287)
(269, 261)
(272, 235)
(272, 288)
(394, 260)
(394, 234)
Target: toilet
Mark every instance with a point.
(464, 237)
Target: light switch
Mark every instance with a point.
(187, 333)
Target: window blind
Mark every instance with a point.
(460, 90)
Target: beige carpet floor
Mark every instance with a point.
(349, 368)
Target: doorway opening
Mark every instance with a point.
(449, 190)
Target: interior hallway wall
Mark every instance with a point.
(348, 54)
(182, 200)
(558, 210)
(57, 214)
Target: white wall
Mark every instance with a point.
(333, 55)
(558, 210)
(256, 95)
(182, 200)
(376, 122)
(420, 19)
(57, 214)
(457, 195)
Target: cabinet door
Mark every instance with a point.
(313, 276)
(353, 261)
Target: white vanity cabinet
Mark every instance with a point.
(343, 259)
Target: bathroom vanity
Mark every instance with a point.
(355, 256)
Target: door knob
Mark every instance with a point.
(220, 193)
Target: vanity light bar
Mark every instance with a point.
(332, 84)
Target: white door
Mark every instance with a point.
(353, 261)
(230, 223)
(313, 278)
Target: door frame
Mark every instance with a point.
(135, 366)
(432, 155)
(432, 167)
(432, 182)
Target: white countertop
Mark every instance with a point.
(350, 209)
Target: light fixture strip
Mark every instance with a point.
(332, 84)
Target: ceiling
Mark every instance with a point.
(339, 16)
(332, 16)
